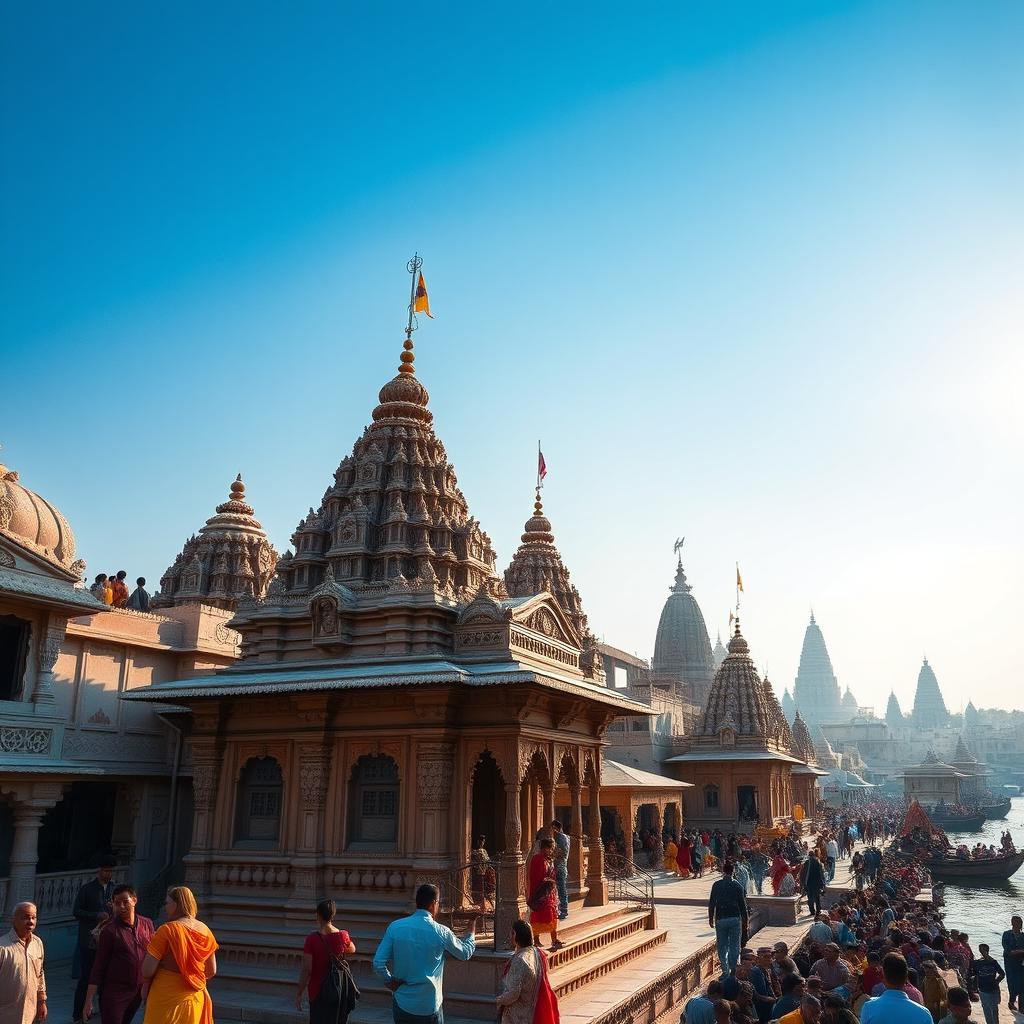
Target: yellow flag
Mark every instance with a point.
(739, 579)
(732, 618)
(422, 303)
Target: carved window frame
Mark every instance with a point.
(19, 663)
(245, 790)
(356, 791)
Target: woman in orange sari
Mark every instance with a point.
(179, 963)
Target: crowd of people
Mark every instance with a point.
(982, 852)
(879, 956)
(113, 591)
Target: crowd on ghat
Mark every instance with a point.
(878, 956)
(113, 591)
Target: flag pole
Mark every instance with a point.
(413, 267)
(539, 485)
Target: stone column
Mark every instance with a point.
(49, 651)
(576, 879)
(523, 819)
(597, 895)
(205, 778)
(511, 903)
(549, 804)
(28, 819)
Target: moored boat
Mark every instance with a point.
(958, 822)
(996, 809)
(992, 869)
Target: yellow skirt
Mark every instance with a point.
(171, 1001)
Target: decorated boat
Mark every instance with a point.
(994, 869)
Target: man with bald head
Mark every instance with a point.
(22, 982)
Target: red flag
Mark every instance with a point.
(542, 466)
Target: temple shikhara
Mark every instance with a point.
(378, 706)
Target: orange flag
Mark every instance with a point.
(422, 303)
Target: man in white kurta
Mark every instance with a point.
(22, 982)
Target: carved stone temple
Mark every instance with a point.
(744, 761)
(391, 703)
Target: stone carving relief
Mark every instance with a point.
(314, 771)
(19, 740)
(434, 766)
(325, 617)
(204, 786)
(6, 511)
(6, 560)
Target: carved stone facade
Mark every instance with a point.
(230, 559)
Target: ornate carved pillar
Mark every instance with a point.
(549, 803)
(434, 766)
(511, 902)
(523, 819)
(596, 882)
(29, 810)
(49, 651)
(576, 879)
(206, 769)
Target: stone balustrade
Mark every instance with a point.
(258, 874)
(374, 876)
(55, 893)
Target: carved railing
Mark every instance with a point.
(628, 883)
(370, 876)
(56, 892)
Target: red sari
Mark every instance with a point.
(683, 862)
(779, 870)
(545, 1005)
(541, 894)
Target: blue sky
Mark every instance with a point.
(751, 271)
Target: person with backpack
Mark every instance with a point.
(325, 972)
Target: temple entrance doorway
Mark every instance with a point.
(488, 805)
(746, 803)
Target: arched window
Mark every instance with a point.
(373, 802)
(258, 815)
(711, 798)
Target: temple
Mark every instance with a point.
(741, 758)
(816, 689)
(393, 702)
(929, 707)
(893, 712)
(682, 650)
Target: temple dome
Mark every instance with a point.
(32, 522)
(682, 649)
(741, 704)
(849, 702)
(929, 707)
(537, 567)
(816, 689)
(230, 559)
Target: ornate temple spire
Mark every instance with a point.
(849, 701)
(682, 649)
(971, 715)
(893, 712)
(719, 652)
(816, 689)
(394, 517)
(537, 567)
(230, 559)
(788, 705)
(963, 754)
(741, 704)
(929, 708)
(803, 745)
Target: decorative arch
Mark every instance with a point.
(568, 767)
(712, 797)
(260, 797)
(534, 766)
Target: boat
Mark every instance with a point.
(958, 822)
(992, 869)
(996, 809)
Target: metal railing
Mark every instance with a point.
(628, 883)
(470, 893)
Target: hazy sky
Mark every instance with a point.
(752, 272)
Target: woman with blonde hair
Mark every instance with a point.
(179, 962)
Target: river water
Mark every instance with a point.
(984, 913)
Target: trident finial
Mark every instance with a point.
(413, 266)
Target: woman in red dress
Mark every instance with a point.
(541, 894)
(683, 862)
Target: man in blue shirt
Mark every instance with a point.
(561, 868)
(727, 914)
(894, 1006)
(414, 947)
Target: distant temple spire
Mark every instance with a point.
(893, 712)
(929, 708)
(816, 689)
